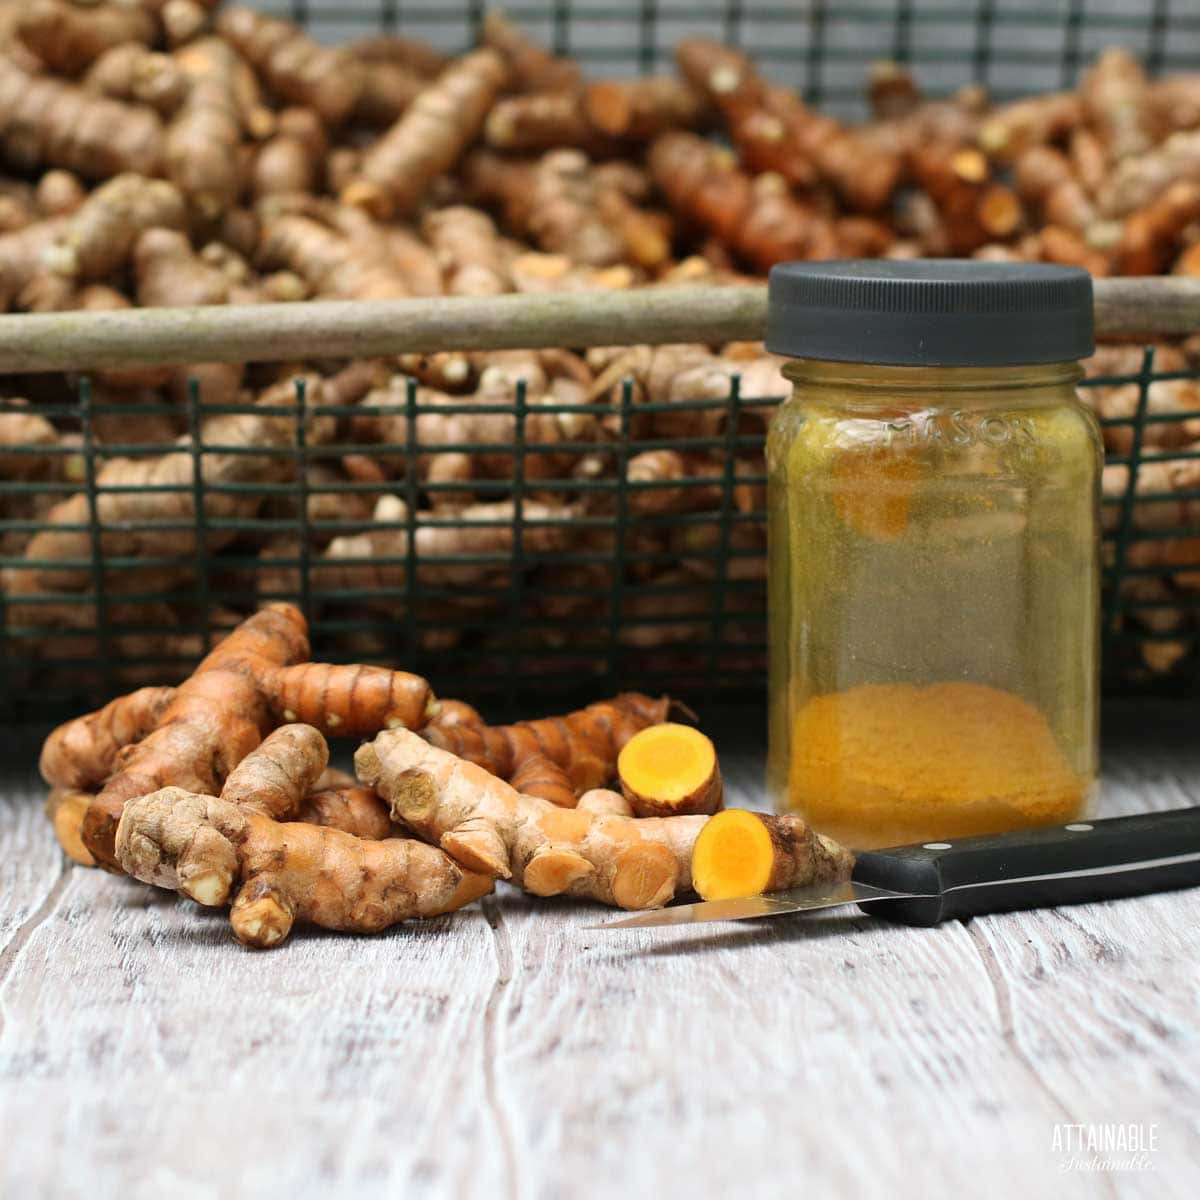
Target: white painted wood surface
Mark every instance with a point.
(512, 1053)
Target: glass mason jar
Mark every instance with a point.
(933, 549)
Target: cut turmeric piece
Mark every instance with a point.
(488, 826)
(668, 769)
(742, 853)
(556, 758)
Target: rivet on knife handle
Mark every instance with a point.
(1038, 868)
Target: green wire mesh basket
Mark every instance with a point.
(597, 596)
(605, 594)
(821, 47)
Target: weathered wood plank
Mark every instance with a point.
(143, 1048)
(512, 1052)
(1100, 1002)
(364, 329)
(31, 342)
(32, 872)
(843, 1053)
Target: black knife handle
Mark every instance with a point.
(1036, 868)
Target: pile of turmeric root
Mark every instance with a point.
(220, 789)
(182, 152)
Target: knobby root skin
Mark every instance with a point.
(429, 137)
(555, 758)
(349, 807)
(134, 72)
(334, 266)
(202, 140)
(640, 109)
(353, 809)
(742, 853)
(44, 120)
(325, 78)
(81, 754)
(215, 719)
(169, 272)
(131, 511)
(604, 802)
(487, 826)
(350, 700)
(101, 234)
(416, 55)
(279, 873)
(274, 779)
(254, 679)
(68, 38)
(669, 769)
(531, 68)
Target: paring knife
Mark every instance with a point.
(1035, 868)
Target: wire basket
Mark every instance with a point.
(821, 47)
(612, 594)
(600, 595)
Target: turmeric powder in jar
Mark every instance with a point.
(933, 548)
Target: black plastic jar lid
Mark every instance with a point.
(946, 312)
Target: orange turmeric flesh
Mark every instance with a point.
(732, 857)
(888, 764)
(668, 769)
(743, 853)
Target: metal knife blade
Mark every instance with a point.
(797, 900)
(932, 882)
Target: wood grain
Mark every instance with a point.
(32, 342)
(361, 329)
(511, 1052)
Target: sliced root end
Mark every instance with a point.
(414, 797)
(551, 872)
(670, 769)
(210, 888)
(732, 856)
(478, 850)
(261, 923)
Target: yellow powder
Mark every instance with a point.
(888, 764)
(873, 491)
